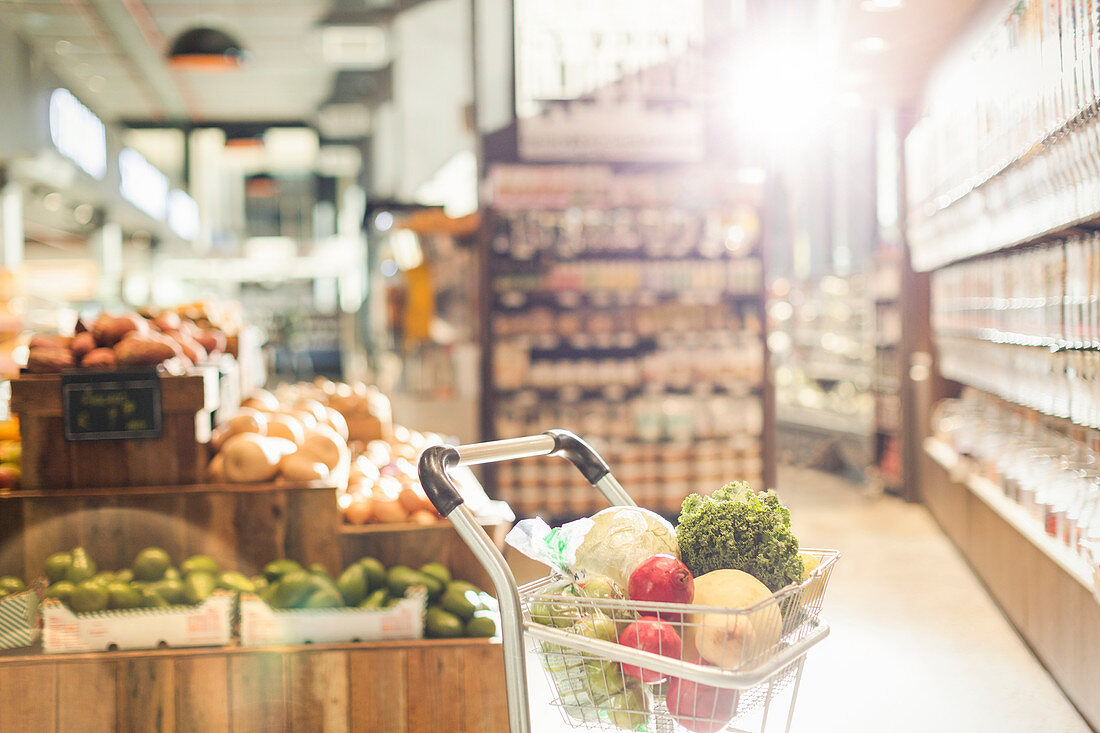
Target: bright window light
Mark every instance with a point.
(878, 6)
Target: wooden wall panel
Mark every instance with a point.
(202, 694)
(257, 692)
(28, 697)
(146, 694)
(318, 689)
(87, 696)
(378, 686)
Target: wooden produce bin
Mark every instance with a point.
(242, 526)
(176, 457)
(387, 687)
(414, 545)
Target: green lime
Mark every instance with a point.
(170, 590)
(198, 586)
(437, 570)
(89, 597)
(481, 626)
(123, 595)
(62, 590)
(232, 580)
(352, 584)
(150, 598)
(151, 564)
(199, 563)
(57, 566)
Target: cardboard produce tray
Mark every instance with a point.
(210, 623)
(262, 625)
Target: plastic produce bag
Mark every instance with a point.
(611, 542)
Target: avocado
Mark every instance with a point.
(260, 581)
(11, 584)
(170, 590)
(377, 599)
(400, 578)
(293, 588)
(81, 568)
(151, 599)
(57, 566)
(172, 573)
(481, 626)
(431, 583)
(199, 563)
(104, 578)
(126, 575)
(319, 569)
(278, 568)
(89, 597)
(375, 570)
(325, 598)
(62, 590)
(463, 586)
(151, 563)
(198, 586)
(267, 594)
(232, 580)
(122, 595)
(461, 604)
(438, 571)
(439, 624)
(352, 584)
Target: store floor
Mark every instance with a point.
(916, 643)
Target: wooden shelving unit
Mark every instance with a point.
(1045, 590)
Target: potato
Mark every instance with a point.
(47, 341)
(313, 406)
(100, 358)
(325, 445)
(413, 499)
(261, 400)
(246, 420)
(82, 345)
(168, 322)
(109, 330)
(252, 458)
(337, 422)
(213, 341)
(215, 470)
(49, 359)
(144, 351)
(300, 467)
(285, 426)
(386, 502)
(192, 349)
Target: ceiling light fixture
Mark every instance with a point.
(206, 49)
(880, 6)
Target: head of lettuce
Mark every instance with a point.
(737, 529)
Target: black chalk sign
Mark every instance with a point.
(123, 405)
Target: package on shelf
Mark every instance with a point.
(262, 625)
(210, 623)
(19, 619)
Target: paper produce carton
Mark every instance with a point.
(207, 624)
(263, 625)
(19, 619)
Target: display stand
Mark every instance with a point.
(386, 687)
(1043, 588)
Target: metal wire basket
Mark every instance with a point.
(701, 668)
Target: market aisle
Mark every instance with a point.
(916, 643)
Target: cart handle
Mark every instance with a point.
(435, 465)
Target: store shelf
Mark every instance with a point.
(1074, 565)
(136, 491)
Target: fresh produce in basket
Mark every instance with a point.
(737, 529)
(700, 708)
(654, 636)
(663, 579)
(731, 640)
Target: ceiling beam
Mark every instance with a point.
(142, 45)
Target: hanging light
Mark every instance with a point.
(206, 49)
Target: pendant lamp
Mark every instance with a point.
(206, 49)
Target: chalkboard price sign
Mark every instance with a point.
(122, 405)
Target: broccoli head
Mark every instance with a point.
(735, 528)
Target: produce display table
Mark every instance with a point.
(242, 526)
(386, 687)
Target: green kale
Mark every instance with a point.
(735, 528)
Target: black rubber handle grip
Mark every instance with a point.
(580, 454)
(433, 467)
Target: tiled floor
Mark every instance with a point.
(916, 643)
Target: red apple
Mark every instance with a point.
(664, 579)
(700, 708)
(650, 635)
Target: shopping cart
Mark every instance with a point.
(711, 667)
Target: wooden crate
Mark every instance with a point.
(242, 526)
(177, 457)
(415, 545)
(389, 687)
